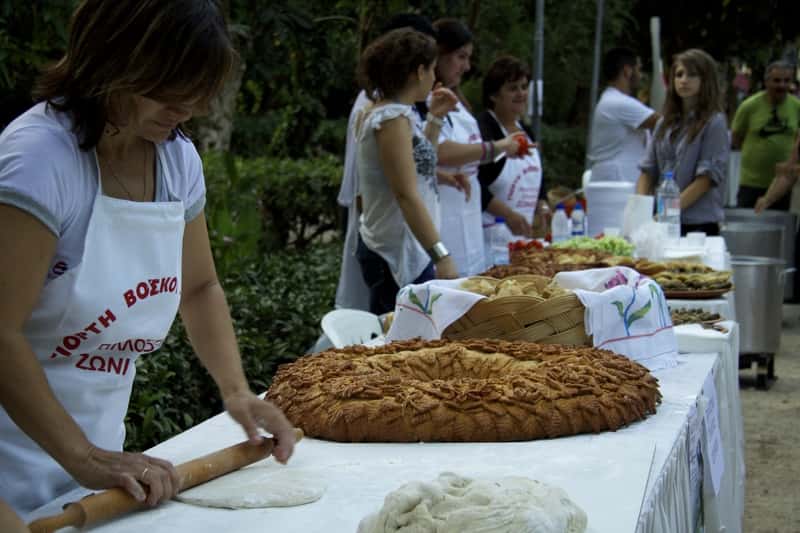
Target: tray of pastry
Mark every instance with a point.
(700, 284)
(694, 316)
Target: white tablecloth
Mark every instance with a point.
(635, 479)
(724, 512)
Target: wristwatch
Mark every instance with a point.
(437, 252)
(430, 117)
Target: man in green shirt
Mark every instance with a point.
(764, 127)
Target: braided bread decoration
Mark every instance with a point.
(462, 391)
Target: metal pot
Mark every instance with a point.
(759, 282)
(773, 217)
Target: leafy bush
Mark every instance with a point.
(298, 199)
(563, 152)
(276, 304)
(264, 204)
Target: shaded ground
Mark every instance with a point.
(772, 439)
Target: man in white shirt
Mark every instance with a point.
(621, 122)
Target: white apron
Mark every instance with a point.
(461, 230)
(518, 187)
(89, 327)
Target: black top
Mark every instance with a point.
(488, 173)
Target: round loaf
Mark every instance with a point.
(462, 391)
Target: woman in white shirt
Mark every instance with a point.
(101, 209)
(510, 188)
(399, 238)
(461, 151)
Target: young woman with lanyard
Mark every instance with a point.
(692, 141)
(461, 151)
(101, 209)
(510, 188)
(399, 239)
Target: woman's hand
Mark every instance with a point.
(252, 413)
(455, 179)
(443, 100)
(519, 225)
(446, 268)
(147, 479)
(510, 145)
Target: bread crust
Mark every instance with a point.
(475, 390)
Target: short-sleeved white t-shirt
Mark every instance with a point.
(44, 172)
(617, 144)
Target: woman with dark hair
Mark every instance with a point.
(101, 209)
(399, 239)
(351, 292)
(510, 188)
(461, 151)
(691, 141)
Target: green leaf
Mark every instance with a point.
(640, 313)
(414, 299)
(620, 308)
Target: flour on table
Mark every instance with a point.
(455, 504)
(258, 487)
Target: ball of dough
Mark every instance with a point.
(456, 504)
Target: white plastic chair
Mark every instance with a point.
(345, 327)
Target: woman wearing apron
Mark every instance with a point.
(461, 151)
(510, 188)
(101, 209)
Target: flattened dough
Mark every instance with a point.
(455, 504)
(258, 486)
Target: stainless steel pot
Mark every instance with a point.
(770, 216)
(759, 282)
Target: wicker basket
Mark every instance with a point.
(557, 320)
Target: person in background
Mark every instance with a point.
(691, 141)
(511, 187)
(461, 151)
(352, 293)
(786, 175)
(621, 122)
(101, 209)
(764, 128)
(399, 241)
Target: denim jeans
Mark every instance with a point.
(378, 278)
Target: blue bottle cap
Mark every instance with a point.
(560, 206)
(499, 220)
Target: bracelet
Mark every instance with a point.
(437, 252)
(430, 117)
(487, 152)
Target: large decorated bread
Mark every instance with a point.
(464, 391)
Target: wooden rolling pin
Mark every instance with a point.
(108, 504)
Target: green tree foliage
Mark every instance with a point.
(32, 34)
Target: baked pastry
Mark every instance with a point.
(462, 391)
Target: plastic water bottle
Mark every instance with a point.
(668, 207)
(578, 221)
(498, 242)
(559, 228)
